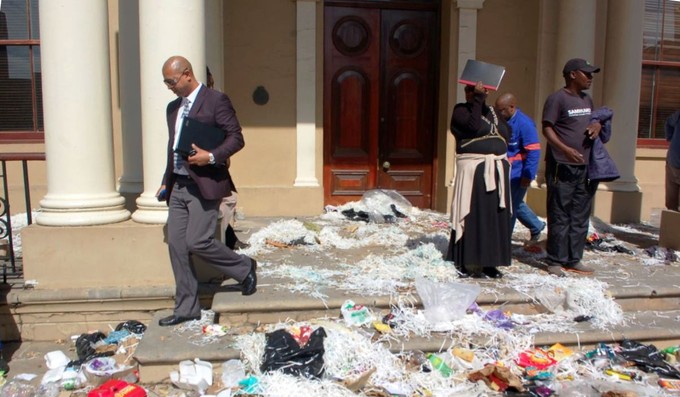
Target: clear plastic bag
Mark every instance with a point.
(445, 302)
(232, 373)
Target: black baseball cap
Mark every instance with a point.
(579, 64)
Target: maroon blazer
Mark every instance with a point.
(213, 108)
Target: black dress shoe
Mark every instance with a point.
(249, 284)
(492, 272)
(240, 245)
(174, 320)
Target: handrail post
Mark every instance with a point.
(27, 193)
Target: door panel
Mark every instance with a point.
(407, 127)
(379, 100)
(351, 95)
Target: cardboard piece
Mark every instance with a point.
(489, 74)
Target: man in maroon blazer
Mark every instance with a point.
(194, 186)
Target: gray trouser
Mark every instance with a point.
(191, 231)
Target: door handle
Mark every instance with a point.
(386, 165)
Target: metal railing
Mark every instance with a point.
(9, 261)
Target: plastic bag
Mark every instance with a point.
(17, 388)
(355, 315)
(445, 302)
(647, 358)
(232, 373)
(387, 202)
(283, 353)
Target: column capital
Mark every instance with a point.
(470, 4)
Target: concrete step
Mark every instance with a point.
(271, 304)
(162, 348)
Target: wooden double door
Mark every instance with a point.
(380, 89)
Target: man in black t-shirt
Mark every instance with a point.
(569, 132)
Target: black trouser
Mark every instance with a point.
(570, 199)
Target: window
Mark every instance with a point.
(21, 118)
(659, 95)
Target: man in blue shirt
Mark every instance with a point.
(673, 161)
(524, 151)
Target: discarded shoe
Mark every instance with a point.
(174, 320)
(578, 268)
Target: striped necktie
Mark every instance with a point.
(185, 111)
(179, 161)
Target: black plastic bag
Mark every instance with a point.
(282, 352)
(133, 326)
(86, 342)
(647, 358)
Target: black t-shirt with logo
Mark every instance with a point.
(569, 114)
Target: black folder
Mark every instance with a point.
(489, 74)
(205, 136)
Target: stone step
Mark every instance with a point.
(162, 348)
(272, 305)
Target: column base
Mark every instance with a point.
(150, 210)
(610, 206)
(98, 216)
(82, 210)
(306, 182)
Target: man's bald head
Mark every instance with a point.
(506, 104)
(178, 75)
(177, 64)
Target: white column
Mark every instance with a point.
(214, 42)
(467, 37)
(621, 75)
(175, 27)
(77, 112)
(306, 94)
(575, 34)
(130, 100)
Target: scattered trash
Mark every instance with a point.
(117, 388)
(667, 255)
(17, 388)
(497, 378)
(647, 358)
(193, 375)
(445, 302)
(283, 352)
(439, 364)
(56, 359)
(606, 244)
(355, 315)
(215, 330)
(582, 317)
(536, 358)
(100, 370)
(232, 373)
(132, 326)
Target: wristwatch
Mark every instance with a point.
(211, 159)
